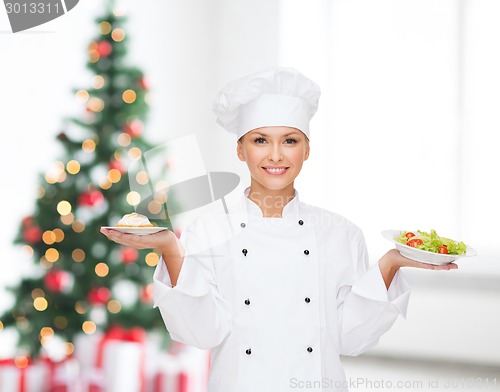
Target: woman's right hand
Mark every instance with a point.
(165, 240)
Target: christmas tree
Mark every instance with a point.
(81, 281)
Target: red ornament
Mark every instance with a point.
(134, 128)
(146, 294)
(104, 48)
(129, 255)
(99, 296)
(58, 281)
(118, 165)
(32, 235)
(27, 221)
(143, 83)
(90, 198)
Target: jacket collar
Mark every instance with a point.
(291, 210)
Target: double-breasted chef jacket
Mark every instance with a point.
(277, 300)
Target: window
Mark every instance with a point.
(406, 134)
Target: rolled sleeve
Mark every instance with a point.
(194, 311)
(367, 309)
(191, 281)
(372, 286)
(162, 282)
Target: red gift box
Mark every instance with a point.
(183, 369)
(62, 374)
(118, 361)
(22, 375)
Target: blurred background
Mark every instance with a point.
(406, 137)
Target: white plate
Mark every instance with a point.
(423, 255)
(136, 230)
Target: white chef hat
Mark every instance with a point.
(277, 97)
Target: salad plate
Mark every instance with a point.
(424, 256)
(136, 230)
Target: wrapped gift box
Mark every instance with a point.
(113, 361)
(23, 376)
(183, 369)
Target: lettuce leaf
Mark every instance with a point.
(432, 241)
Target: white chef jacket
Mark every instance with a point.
(277, 300)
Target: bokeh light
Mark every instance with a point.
(98, 82)
(46, 332)
(70, 348)
(118, 35)
(114, 306)
(52, 255)
(133, 198)
(105, 183)
(49, 237)
(104, 27)
(80, 307)
(134, 153)
(88, 145)
(40, 191)
(27, 251)
(40, 304)
(59, 234)
(154, 207)
(78, 255)
(78, 226)
(94, 56)
(152, 259)
(73, 167)
(95, 104)
(142, 177)
(37, 293)
(67, 219)
(89, 327)
(161, 196)
(129, 96)
(21, 361)
(63, 207)
(82, 96)
(101, 270)
(124, 139)
(114, 175)
(56, 173)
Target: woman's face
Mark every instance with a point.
(274, 147)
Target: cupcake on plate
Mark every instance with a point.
(134, 220)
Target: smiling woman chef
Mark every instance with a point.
(291, 289)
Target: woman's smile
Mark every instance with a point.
(275, 170)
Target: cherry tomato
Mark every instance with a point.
(443, 249)
(414, 242)
(409, 235)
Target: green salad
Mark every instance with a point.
(431, 242)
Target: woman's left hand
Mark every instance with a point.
(393, 260)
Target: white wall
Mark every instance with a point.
(38, 70)
(188, 50)
(406, 137)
